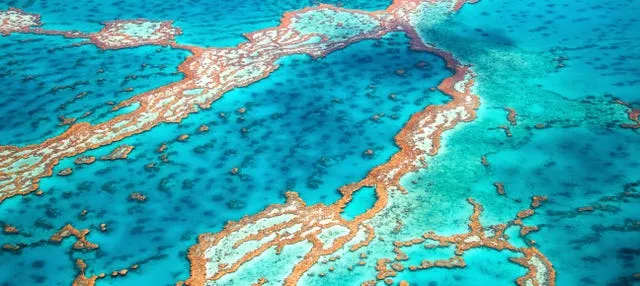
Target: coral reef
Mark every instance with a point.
(219, 254)
(122, 152)
(81, 243)
(540, 270)
(84, 160)
(16, 20)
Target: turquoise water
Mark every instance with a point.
(309, 125)
(582, 160)
(599, 165)
(362, 200)
(309, 136)
(484, 267)
(45, 78)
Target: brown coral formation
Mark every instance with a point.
(453, 262)
(506, 129)
(81, 243)
(484, 161)
(585, 209)
(81, 279)
(383, 271)
(540, 270)
(10, 229)
(370, 236)
(499, 188)
(203, 128)
(121, 152)
(511, 115)
(281, 225)
(65, 172)
(132, 33)
(66, 120)
(536, 201)
(84, 160)
(475, 237)
(525, 230)
(261, 281)
(398, 227)
(459, 3)
(162, 148)
(117, 34)
(15, 20)
(633, 114)
(137, 197)
(11, 247)
(525, 213)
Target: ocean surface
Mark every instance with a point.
(315, 125)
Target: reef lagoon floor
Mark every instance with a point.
(405, 142)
